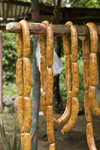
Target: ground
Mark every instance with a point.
(73, 140)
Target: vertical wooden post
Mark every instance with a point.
(1, 99)
(36, 80)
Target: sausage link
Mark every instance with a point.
(75, 72)
(19, 46)
(22, 141)
(19, 76)
(26, 38)
(67, 111)
(90, 137)
(50, 134)
(93, 102)
(42, 43)
(93, 36)
(27, 77)
(88, 113)
(66, 44)
(68, 73)
(49, 90)
(85, 47)
(21, 113)
(74, 114)
(50, 44)
(27, 114)
(93, 69)
(86, 73)
(49, 118)
(43, 72)
(26, 141)
(52, 146)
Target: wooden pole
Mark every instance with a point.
(1, 99)
(36, 80)
(36, 28)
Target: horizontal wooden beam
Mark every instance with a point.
(36, 28)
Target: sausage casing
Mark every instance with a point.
(86, 73)
(74, 114)
(90, 137)
(26, 38)
(66, 44)
(93, 69)
(68, 73)
(88, 113)
(27, 77)
(19, 76)
(52, 146)
(19, 46)
(50, 44)
(75, 72)
(85, 46)
(93, 102)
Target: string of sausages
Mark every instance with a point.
(23, 80)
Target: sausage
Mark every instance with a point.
(86, 73)
(50, 134)
(67, 111)
(49, 118)
(22, 140)
(88, 113)
(93, 69)
(26, 38)
(74, 114)
(49, 90)
(43, 72)
(19, 76)
(27, 141)
(27, 77)
(52, 146)
(93, 102)
(93, 36)
(68, 73)
(19, 46)
(90, 137)
(42, 43)
(85, 47)
(27, 114)
(75, 72)
(66, 44)
(21, 113)
(50, 45)
(44, 107)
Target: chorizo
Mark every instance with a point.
(93, 69)
(75, 72)
(68, 73)
(26, 38)
(50, 45)
(19, 46)
(93, 36)
(21, 113)
(73, 118)
(85, 47)
(52, 146)
(27, 77)
(86, 73)
(93, 102)
(49, 91)
(88, 113)
(90, 137)
(67, 111)
(19, 76)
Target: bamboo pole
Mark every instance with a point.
(36, 28)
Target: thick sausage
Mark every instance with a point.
(86, 73)
(19, 76)
(52, 146)
(21, 113)
(88, 113)
(49, 90)
(49, 118)
(42, 43)
(93, 102)
(26, 38)
(67, 111)
(50, 45)
(66, 44)
(27, 141)
(19, 46)
(93, 69)
(27, 77)
(74, 114)
(85, 46)
(50, 134)
(22, 141)
(68, 73)
(75, 72)
(93, 36)
(90, 137)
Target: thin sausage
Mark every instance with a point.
(49, 118)
(50, 134)
(22, 141)
(52, 146)
(85, 47)
(19, 46)
(86, 73)
(66, 44)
